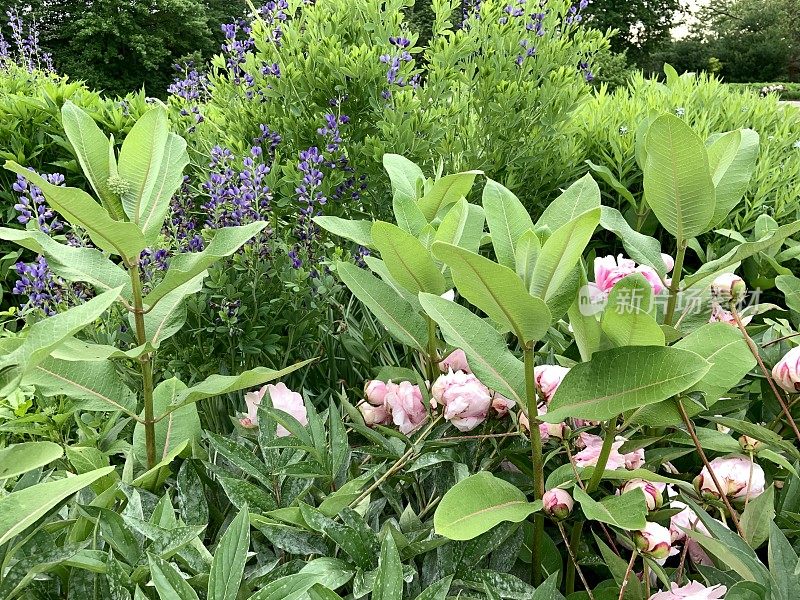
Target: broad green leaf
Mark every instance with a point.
(169, 315)
(230, 557)
(289, 587)
(783, 563)
(586, 328)
(446, 191)
(790, 286)
(45, 335)
(92, 148)
(497, 291)
(622, 379)
(184, 267)
(738, 254)
(79, 208)
(757, 517)
(641, 248)
(619, 571)
(407, 259)
(508, 220)
(27, 456)
(356, 231)
(677, 178)
(486, 350)
(477, 504)
(141, 158)
(527, 252)
(389, 576)
(407, 180)
(580, 197)
(378, 267)
(561, 252)
(32, 564)
(609, 177)
(333, 572)
(626, 320)
(437, 590)
(94, 385)
(153, 209)
(217, 385)
(627, 511)
(169, 583)
(758, 432)
(724, 347)
(397, 315)
(732, 158)
(462, 226)
(73, 264)
(73, 349)
(177, 427)
(20, 509)
(548, 590)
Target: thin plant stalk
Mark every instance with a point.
(537, 460)
(432, 360)
(145, 360)
(628, 572)
(602, 460)
(675, 284)
(573, 557)
(754, 350)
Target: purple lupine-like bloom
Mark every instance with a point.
(31, 204)
(470, 9)
(331, 130)
(44, 291)
(358, 256)
(29, 54)
(395, 62)
(267, 138)
(584, 69)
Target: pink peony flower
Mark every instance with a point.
(608, 271)
(691, 591)
(727, 287)
(375, 415)
(652, 491)
(739, 477)
(722, 315)
(592, 444)
(548, 378)
(283, 399)
(404, 400)
(546, 430)
(466, 400)
(787, 372)
(654, 540)
(635, 459)
(375, 391)
(455, 361)
(558, 503)
(501, 404)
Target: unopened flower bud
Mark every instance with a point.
(558, 503)
(652, 492)
(654, 541)
(728, 287)
(117, 185)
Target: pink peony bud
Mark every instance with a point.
(654, 541)
(652, 492)
(787, 372)
(374, 415)
(669, 262)
(692, 591)
(375, 392)
(466, 400)
(548, 378)
(739, 477)
(501, 404)
(455, 361)
(282, 398)
(728, 287)
(558, 503)
(404, 400)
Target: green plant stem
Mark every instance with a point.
(574, 541)
(145, 360)
(627, 575)
(574, 562)
(537, 459)
(433, 353)
(602, 460)
(675, 284)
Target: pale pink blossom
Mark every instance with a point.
(548, 378)
(546, 430)
(282, 398)
(558, 503)
(501, 404)
(404, 401)
(652, 491)
(739, 477)
(592, 445)
(455, 361)
(375, 415)
(723, 315)
(692, 591)
(466, 400)
(688, 519)
(608, 271)
(787, 372)
(654, 540)
(375, 391)
(633, 459)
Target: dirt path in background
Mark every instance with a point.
(795, 103)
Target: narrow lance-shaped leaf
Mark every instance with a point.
(395, 313)
(446, 191)
(227, 567)
(609, 177)
(79, 208)
(169, 583)
(507, 218)
(153, 210)
(407, 259)
(677, 178)
(732, 158)
(184, 267)
(169, 314)
(486, 350)
(497, 291)
(389, 577)
(621, 379)
(527, 253)
(477, 504)
(43, 336)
